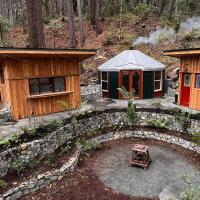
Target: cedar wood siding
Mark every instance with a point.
(19, 71)
(191, 64)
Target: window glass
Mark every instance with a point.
(59, 84)
(197, 80)
(104, 76)
(34, 89)
(46, 88)
(157, 85)
(104, 86)
(158, 75)
(157, 80)
(46, 85)
(187, 80)
(33, 81)
(44, 80)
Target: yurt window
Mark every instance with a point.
(197, 80)
(104, 81)
(157, 81)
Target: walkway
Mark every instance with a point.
(8, 129)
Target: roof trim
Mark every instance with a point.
(44, 49)
(82, 54)
(182, 52)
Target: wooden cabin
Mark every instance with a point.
(33, 81)
(189, 76)
(135, 71)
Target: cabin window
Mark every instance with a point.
(104, 81)
(157, 81)
(187, 80)
(2, 80)
(197, 80)
(46, 85)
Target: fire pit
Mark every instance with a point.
(140, 156)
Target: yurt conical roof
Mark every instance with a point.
(131, 60)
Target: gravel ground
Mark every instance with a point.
(166, 168)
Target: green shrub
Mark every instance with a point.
(5, 142)
(132, 114)
(55, 124)
(18, 166)
(66, 148)
(30, 131)
(33, 163)
(184, 120)
(66, 105)
(87, 144)
(196, 138)
(193, 191)
(50, 159)
(142, 9)
(159, 123)
(158, 105)
(128, 39)
(74, 121)
(15, 137)
(3, 184)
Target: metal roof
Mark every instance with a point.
(131, 60)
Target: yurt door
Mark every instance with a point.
(130, 81)
(185, 89)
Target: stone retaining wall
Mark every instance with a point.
(91, 92)
(47, 178)
(91, 123)
(5, 114)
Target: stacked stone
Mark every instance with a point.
(5, 114)
(47, 178)
(91, 92)
(90, 123)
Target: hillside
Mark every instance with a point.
(108, 43)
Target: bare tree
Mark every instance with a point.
(120, 20)
(35, 24)
(82, 36)
(71, 26)
(95, 10)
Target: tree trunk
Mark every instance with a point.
(82, 37)
(71, 26)
(35, 24)
(97, 17)
(171, 9)
(95, 10)
(120, 20)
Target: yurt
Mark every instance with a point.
(137, 72)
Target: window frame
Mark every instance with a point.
(198, 74)
(105, 81)
(161, 80)
(51, 82)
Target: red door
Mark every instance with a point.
(185, 89)
(131, 81)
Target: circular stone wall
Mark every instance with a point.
(166, 168)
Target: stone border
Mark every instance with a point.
(90, 122)
(91, 92)
(47, 178)
(5, 114)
